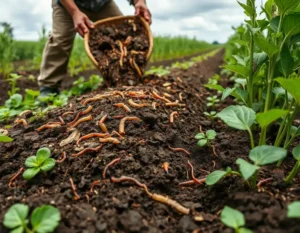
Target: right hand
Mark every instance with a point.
(81, 23)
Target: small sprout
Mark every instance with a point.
(293, 210)
(234, 219)
(40, 162)
(296, 169)
(5, 138)
(212, 101)
(211, 115)
(216, 176)
(43, 219)
(205, 138)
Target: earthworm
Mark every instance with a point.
(103, 118)
(128, 40)
(118, 117)
(80, 114)
(138, 94)
(120, 93)
(24, 113)
(214, 150)
(47, 126)
(21, 121)
(166, 166)
(96, 149)
(113, 133)
(63, 158)
(137, 68)
(214, 164)
(180, 97)
(173, 104)
(96, 98)
(103, 127)
(122, 123)
(81, 120)
(15, 177)
(172, 116)
(124, 106)
(134, 27)
(96, 182)
(108, 165)
(264, 181)
(109, 140)
(122, 52)
(54, 123)
(88, 110)
(200, 129)
(180, 149)
(179, 79)
(167, 95)
(189, 182)
(125, 51)
(154, 196)
(154, 105)
(67, 113)
(133, 104)
(157, 96)
(76, 196)
(91, 135)
(193, 176)
(134, 52)
(61, 120)
(167, 84)
(75, 119)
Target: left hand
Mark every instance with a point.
(142, 10)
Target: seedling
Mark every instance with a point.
(5, 138)
(260, 156)
(211, 115)
(213, 101)
(43, 219)
(160, 71)
(40, 162)
(206, 138)
(234, 219)
(296, 169)
(293, 210)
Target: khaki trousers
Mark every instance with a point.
(59, 45)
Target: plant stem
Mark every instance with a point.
(289, 126)
(263, 136)
(251, 138)
(271, 71)
(293, 173)
(254, 180)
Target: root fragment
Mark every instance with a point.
(96, 149)
(15, 177)
(73, 187)
(63, 158)
(91, 135)
(180, 149)
(135, 105)
(172, 115)
(122, 123)
(108, 165)
(124, 106)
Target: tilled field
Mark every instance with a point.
(156, 147)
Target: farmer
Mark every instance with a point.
(69, 17)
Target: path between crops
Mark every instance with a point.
(143, 152)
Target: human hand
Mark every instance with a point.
(81, 23)
(142, 10)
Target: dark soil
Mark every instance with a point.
(120, 51)
(123, 207)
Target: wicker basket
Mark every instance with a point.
(115, 21)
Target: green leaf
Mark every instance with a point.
(266, 46)
(286, 63)
(241, 81)
(238, 117)
(200, 136)
(211, 134)
(241, 42)
(239, 69)
(215, 87)
(259, 59)
(227, 92)
(286, 5)
(275, 23)
(296, 152)
(33, 93)
(263, 155)
(215, 177)
(266, 118)
(247, 169)
(16, 216)
(202, 142)
(291, 24)
(232, 218)
(245, 230)
(292, 86)
(248, 10)
(45, 219)
(239, 60)
(295, 131)
(43, 154)
(30, 173)
(20, 229)
(4, 138)
(48, 165)
(241, 94)
(293, 210)
(31, 162)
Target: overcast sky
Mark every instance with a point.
(206, 19)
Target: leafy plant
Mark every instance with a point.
(212, 101)
(206, 138)
(12, 80)
(296, 169)
(234, 219)
(6, 49)
(43, 219)
(160, 71)
(293, 210)
(211, 115)
(80, 86)
(40, 162)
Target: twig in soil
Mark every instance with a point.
(63, 157)
(96, 149)
(47, 126)
(179, 149)
(135, 105)
(61, 120)
(124, 106)
(91, 135)
(95, 183)
(122, 52)
(214, 150)
(108, 165)
(172, 115)
(122, 123)
(154, 196)
(96, 98)
(109, 140)
(264, 181)
(15, 177)
(81, 120)
(166, 166)
(157, 96)
(21, 121)
(180, 97)
(76, 196)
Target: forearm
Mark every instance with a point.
(70, 6)
(134, 2)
